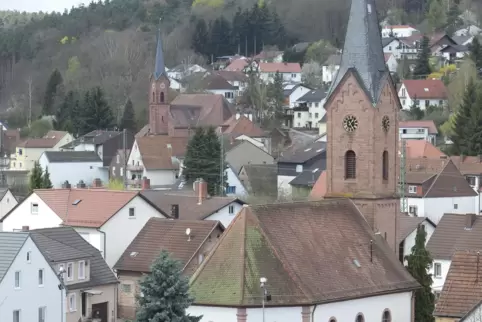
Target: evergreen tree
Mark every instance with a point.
(463, 126)
(416, 112)
(35, 179)
(200, 38)
(276, 96)
(453, 19)
(237, 30)
(418, 264)
(203, 159)
(164, 293)
(422, 68)
(46, 183)
(220, 38)
(436, 15)
(476, 53)
(128, 120)
(66, 112)
(96, 114)
(52, 92)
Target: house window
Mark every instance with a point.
(113, 171)
(229, 94)
(29, 257)
(293, 75)
(299, 168)
(389, 48)
(427, 103)
(403, 92)
(456, 206)
(471, 180)
(34, 208)
(40, 277)
(72, 302)
(316, 104)
(118, 159)
(299, 115)
(20, 152)
(316, 115)
(412, 210)
(440, 102)
(121, 172)
(386, 317)
(16, 316)
(437, 270)
(81, 270)
(70, 271)
(403, 102)
(126, 288)
(231, 209)
(417, 102)
(17, 279)
(412, 189)
(231, 189)
(153, 97)
(350, 164)
(385, 165)
(132, 212)
(20, 165)
(359, 318)
(41, 314)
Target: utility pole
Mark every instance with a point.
(221, 171)
(124, 143)
(402, 175)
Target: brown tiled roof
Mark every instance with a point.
(303, 251)
(188, 203)
(280, 67)
(237, 65)
(407, 224)
(94, 209)
(55, 134)
(425, 165)
(451, 235)
(213, 82)
(260, 180)
(425, 89)
(232, 76)
(429, 124)
(450, 183)
(422, 149)
(319, 188)
(418, 177)
(157, 151)
(161, 234)
(463, 286)
(241, 126)
(468, 165)
(38, 143)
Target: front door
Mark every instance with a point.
(99, 311)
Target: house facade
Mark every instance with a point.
(418, 130)
(330, 68)
(87, 165)
(235, 186)
(399, 31)
(311, 110)
(118, 165)
(291, 72)
(7, 202)
(423, 93)
(292, 93)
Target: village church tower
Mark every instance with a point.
(362, 125)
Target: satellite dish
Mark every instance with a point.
(188, 231)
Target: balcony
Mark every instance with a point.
(135, 168)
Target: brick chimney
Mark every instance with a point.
(201, 190)
(66, 185)
(25, 228)
(146, 183)
(97, 183)
(469, 220)
(81, 184)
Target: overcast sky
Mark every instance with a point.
(39, 5)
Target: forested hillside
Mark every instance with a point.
(111, 44)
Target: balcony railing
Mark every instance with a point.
(131, 167)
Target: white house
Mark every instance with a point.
(400, 48)
(407, 231)
(291, 72)
(158, 158)
(325, 287)
(471, 30)
(60, 164)
(314, 100)
(107, 219)
(391, 62)
(293, 92)
(418, 130)
(398, 31)
(235, 78)
(422, 92)
(430, 194)
(7, 202)
(180, 71)
(235, 186)
(33, 288)
(216, 84)
(453, 232)
(330, 67)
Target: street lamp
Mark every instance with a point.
(61, 288)
(264, 293)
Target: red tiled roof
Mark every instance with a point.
(241, 126)
(429, 124)
(94, 209)
(425, 88)
(422, 149)
(280, 67)
(157, 151)
(237, 65)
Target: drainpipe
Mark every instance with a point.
(105, 242)
(313, 313)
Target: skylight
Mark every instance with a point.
(76, 202)
(134, 254)
(357, 263)
(425, 89)
(319, 150)
(309, 149)
(316, 170)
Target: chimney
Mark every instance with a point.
(201, 189)
(469, 220)
(146, 183)
(25, 228)
(97, 183)
(81, 184)
(175, 211)
(66, 185)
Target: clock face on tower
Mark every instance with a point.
(350, 123)
(385, 123)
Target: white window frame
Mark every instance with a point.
(71, 276)
(133, 212)
(412, 189)
(113, 171)
(435, 266)
(41, 277)
(19, 315)
(42, 314)
(19, 280)
(34, 205)
(121, 171)
(72, 302)
(81, 276)
(299, 168)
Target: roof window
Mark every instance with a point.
(134, 254)
(425, 89)
(76, 202)
(309, 149)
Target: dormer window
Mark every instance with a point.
(412, 189)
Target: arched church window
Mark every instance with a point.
(350, 164)
(385, 165)
(162, 97)
(153, 97)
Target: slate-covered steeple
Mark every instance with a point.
(363, 49)
(159, 68)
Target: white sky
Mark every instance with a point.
(39, 5)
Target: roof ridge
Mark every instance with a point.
(215, 224)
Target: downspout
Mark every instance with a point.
(105, 241)
(313, 313)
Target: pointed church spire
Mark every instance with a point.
(363, 49)
(159, 68)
